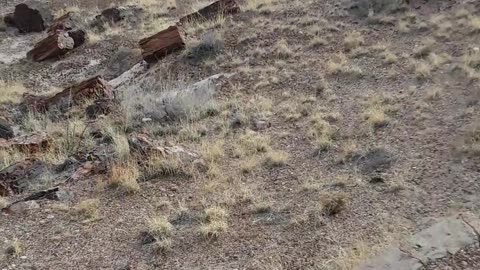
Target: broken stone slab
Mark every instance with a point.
(22, 207)
(129, 75)
(31, 143)
(16, 177)
(218, 8)
(161, 44)
(94, 88)
(447, 236)
(31, 16)
(131, 15)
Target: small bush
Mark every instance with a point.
(124, 177)
(334, 204)
(275, 159)
(88, 209)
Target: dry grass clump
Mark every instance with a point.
(124, 177)
(3, 202)
(256, 5)
(275, 158)
(250, 144)
(353, 40)
(10, 156)
(474, 24)
(11, 91)
(206, 48)
(159, 227)
(158, 165)
(282, 49)
(472, 140)
(14, 248)
(422, 70)
(338, 65)
(320, 132)
(433, 93)
(333, 204)
(88, 209)
(317, 42)
(215, 222)
(213, 152)
(389, 57)
(248, 165)
(425, 49)
(375, 113)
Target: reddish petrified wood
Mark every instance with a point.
(94, 88)
(52, 46)
(220, 7)
(14, 178)
(161, 44)
(27, 19)
(31, 143)
(63, 23)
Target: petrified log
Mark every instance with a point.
(8, 20)
(161, 44)
(66, 22)
(6, 132)
(52, 46)
(94, 88)
(17, 176)
(31, 143)
(218, 8)
(27, 19)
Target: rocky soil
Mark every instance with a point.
(252, 134)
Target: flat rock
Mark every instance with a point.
(447, 236)
(6, 131)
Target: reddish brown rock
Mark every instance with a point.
(94, 88)
(63, 23)
(161, 44)
(218, 8)
(99, 107)
(54, 45)
(8, 20)
(16, 177)
(27, 19)
(31, 143)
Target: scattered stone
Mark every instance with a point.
(6, 132)
(260, 124)
(17, 176)
(375, 161)
(142, 143)
(54, 45)
(161, 44)
(94, 88)
(31, 143)
(78, 36)
(218, 8)
(112, 15)
(132, 15)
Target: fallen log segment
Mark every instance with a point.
(218, 8)
(28, 19)
(52, 46)
(94, 88)
(63, 23)
(161, 44)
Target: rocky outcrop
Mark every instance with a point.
(161, 44)
(94, 88)
(218, 8)
(6, 132)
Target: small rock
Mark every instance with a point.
(260, 124)
(6, 131)
(24, 206)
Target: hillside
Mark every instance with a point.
(265, 134)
